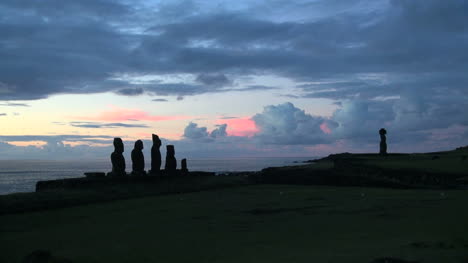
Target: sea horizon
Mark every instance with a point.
(22, 175)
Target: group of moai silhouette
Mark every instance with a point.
(138, 159)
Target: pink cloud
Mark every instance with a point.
(325, 128)
(121, 114)
(240, 126)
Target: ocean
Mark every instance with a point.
(22, 175)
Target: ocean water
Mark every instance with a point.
(22, 175)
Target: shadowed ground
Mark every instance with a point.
(251, 224)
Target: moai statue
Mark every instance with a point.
(383, 141)
(117, 158)
(138, 159)
(183, 164)
(155, 155)
(171, 162)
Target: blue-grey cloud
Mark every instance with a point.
(84, 46)
(192, 131)
(220, 131)
(159, 100)
(99, 125)
(213, 79)
(130, 91)
(10, 104)
(254, 88)
(3, 114)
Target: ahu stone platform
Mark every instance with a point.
(93, 180)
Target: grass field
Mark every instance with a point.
(438, 163)
(262, 223)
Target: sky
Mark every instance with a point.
(222, 79)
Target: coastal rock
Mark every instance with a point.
(91, 175)
(155, 155)
(171, 162)
(138, 159)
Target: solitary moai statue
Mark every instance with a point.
(155, 155)
(383, 141)
(171, 162)
(117, 158)
(138, 160)
(183, 164)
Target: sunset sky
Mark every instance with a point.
(232, 78)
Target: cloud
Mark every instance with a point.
(286, 124)
(227, 118)
(210, 43)
(220, 131)
(3, 114)
(213, 79)
(192, 131)
(255, 87)
(98, 125)
(10, 104)
(130, 91)
(159, 100)
(116, 114)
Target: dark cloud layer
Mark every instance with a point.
(407, 44)
(130, 91)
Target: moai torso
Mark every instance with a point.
(183, 165)
(138, 159)
(117, 158)
(383, 141)
(155, 154)
(171, 162)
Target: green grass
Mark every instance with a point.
(251, 224)
(451, 163)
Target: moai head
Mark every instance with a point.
(139, 145)
(156, 140)
(170, 150)
(382, 132)
(118, 145)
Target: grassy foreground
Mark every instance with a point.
(262, 223)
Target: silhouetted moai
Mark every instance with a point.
(171, 162)
(183, 164)
(383, 141)
(117, 158)
(138, 159)
(155, 155)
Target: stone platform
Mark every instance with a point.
(93, 180)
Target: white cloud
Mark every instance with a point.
(286, 124)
